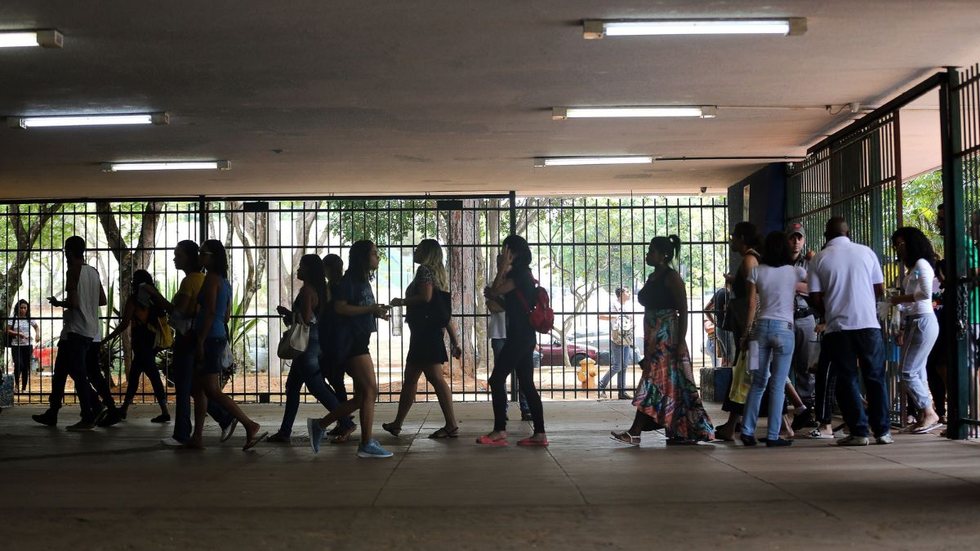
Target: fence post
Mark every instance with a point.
(954, 315)
(202, 219)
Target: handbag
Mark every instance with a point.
(294, 340)
(163, 334)
(434, 314)
(741, 381)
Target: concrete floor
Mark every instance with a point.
(117, 489)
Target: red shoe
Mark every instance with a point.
(485, 440)
(530, 441)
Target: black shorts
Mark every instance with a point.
(360, 345)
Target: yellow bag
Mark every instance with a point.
(741, 379)
(163, 333)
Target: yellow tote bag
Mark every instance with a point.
(741, 379)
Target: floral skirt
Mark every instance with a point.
(666, 392)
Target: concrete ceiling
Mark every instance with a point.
(315, 97)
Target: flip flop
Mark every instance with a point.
(485, 440)
(255, 440)
(926, 429)
(343, 435)
(445, 433)
(531, 442)
(815, 434)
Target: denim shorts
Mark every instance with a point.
(214, 349)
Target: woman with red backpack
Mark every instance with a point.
(516, 284)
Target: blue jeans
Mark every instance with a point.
(921, 333)
(306, 370)
(182, 374)
(620, 356)
(776, 341)
(849, 350)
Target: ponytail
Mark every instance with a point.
(669, 246)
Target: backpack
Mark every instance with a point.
(541, 316)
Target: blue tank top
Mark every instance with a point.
(217, 329)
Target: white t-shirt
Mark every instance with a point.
(23, 326)
(918, 283)
(84, 320)
(497, 326)
(845, 273)
(776, 288)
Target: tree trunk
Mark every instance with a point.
(462, 230)
(26, 235)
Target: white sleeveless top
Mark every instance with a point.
(84, 320)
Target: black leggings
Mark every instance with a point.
(22, 364)
(144, 361)
(516, 355)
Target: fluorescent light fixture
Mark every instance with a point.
(596, 28)
(582, 161)
(26, 39)
(89, 120)
(562, 113)
(167, 165)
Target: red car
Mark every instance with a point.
(44, 354)
(551, 354)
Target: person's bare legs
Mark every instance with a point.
(433, 373)
(212, 388)
(361, 369)
(200, 411)
(406, 398)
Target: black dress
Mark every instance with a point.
(426, 343)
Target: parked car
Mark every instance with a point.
(42, 359)
(551, 354)
(592, 339)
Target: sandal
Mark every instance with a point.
(445, 433)
(625, 437)
(485, 440)
(926, 429)
(343, 435)
(251, 443)
(531, 441)
(392, 428)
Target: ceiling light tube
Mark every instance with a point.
(26, 39)
(562, 113)
(596, 28)
(167, 165)
(89, 120)
(540, 162)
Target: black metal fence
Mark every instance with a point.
(584, 249)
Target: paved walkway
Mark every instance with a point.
(117, 489)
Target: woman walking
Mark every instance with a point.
(139, 313)
(772, 288)
(516, 284)
(744, 240)
(19, 335)
(666, 396)
(358, 313)
(921, 326)
(308, 309)
(211, 337)
(426, 347)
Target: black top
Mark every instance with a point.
(518, 322)
(740, 283)
(655, 295)
(358, 293)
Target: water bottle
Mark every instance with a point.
(396, 322)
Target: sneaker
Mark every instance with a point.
(804, 420)
(778, 443)
(748, 440)
(884, 439)
(372, 450)
(48, 418)
(853, 441)
(162, 418)
(227, 432)
(100, 415)
(81, 426)
(109, 420)
(625, 396)
(316, 434)
(171, 443)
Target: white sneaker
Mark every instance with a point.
(171, 442)
(884, 439)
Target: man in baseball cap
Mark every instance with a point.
(804, 326)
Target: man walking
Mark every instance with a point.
(845, 279)
(804, 324)
(80, 315)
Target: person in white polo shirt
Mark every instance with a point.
(845, 280)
